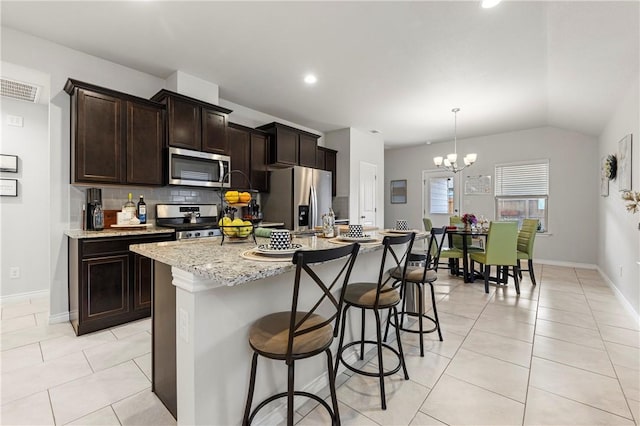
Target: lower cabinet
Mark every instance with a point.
(108, 285)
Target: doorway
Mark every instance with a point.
(439, 200)
(367, 203)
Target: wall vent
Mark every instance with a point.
(19, 90)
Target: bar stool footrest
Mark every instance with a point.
(369, 373)
(295, 393)
(416, 315)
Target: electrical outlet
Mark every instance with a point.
(14, 120)
(14, 272)
(183, 325)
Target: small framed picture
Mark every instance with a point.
(8, 187)
(8, 163)
(399, 191)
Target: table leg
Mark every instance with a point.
(465, 260)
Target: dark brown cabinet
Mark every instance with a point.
(289, 146)
(194, 124)
(115, 138)
(248, 150)
(109, 285)
(326, 160)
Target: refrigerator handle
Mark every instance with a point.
(313, 204)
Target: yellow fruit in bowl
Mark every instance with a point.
(232, 197)
(245, 197)
(227, 227)
(245, 230)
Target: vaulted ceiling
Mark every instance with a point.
(396, 67)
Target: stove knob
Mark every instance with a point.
(211, 234)
(188, 235)
(197, 234)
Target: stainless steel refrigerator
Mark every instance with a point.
(298, 196)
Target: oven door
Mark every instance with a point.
(195, 168)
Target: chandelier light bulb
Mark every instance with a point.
(447, 163)
(437, 161)
(472, 157)
(452, 158)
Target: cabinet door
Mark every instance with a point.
(331, 165)
(142, 282)
(106, 289)
(320, 159)
(184, 124)
(145, 140)
(285, 147)
(214, 131)
(307, 150)
(99, 145)
(240, 152)
(259, 161)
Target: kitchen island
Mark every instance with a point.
(218, 295)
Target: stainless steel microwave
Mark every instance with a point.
(195, 168)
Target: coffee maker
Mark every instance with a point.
(95, 216)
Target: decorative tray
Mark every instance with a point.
(363, 239)
(139, 225)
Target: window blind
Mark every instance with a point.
(439, 200)
(522, 179)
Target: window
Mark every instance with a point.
(522, 192)
(441, 195)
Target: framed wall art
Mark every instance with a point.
(8, 187)
(399, 191)
(8, 163)
(477, 185)
(624, 164)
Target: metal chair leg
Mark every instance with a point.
(332, 389)
(435, 310)
(380, 363)
(252, 383)
(420, 313)
(341, 340)
(404, 365)
(290, 391)
(486, 271)
(362, 337)
(516, 280)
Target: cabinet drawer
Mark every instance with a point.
(104, 246)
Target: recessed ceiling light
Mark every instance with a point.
(487, 4)
(310, 79)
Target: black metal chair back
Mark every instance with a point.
(392, 245)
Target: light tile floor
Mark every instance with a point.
(564, 352)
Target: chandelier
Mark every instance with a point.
(450, 163)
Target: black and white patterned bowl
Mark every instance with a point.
(355, 231)
(402, 225)
(280, 239)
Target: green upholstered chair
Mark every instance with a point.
(427, 224)
(502, 245)
(526, 238)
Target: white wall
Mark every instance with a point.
(355, 146)
(573, 181)
(25, 219)
(619, 230)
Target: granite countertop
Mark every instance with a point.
(223, 264)
(115, 232)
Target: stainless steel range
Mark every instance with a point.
(189, 220)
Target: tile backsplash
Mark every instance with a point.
(113, 198)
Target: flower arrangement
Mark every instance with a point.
(610, 167)
(634, 197)
(469, 219)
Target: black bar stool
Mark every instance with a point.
(419, 276)
(303, 334)
(376, 296)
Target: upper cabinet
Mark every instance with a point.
(194, 124)
(248, 150)
(326, 160)
(290, 146)
(115, 138)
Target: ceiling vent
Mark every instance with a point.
(19, 90)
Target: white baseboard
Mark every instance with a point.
(23, 297)
(627, 306)
(566, 264)
(58, 318)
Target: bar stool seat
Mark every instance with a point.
(363, 295)
(269, 335)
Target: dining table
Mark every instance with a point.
(467, 275)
